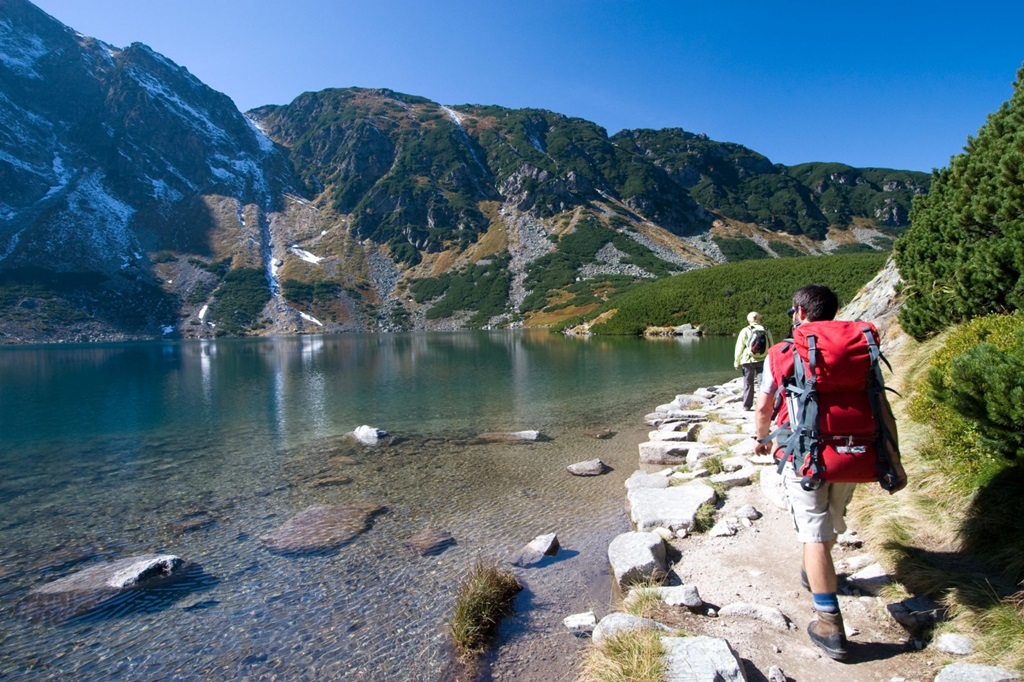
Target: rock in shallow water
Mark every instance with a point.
(591, 467)
(430, 542)
(92, 587)
(321, 528)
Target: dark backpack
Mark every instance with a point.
(834, 430)
(759, 342)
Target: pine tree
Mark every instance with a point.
(964, 253)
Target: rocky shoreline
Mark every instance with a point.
(698, 455)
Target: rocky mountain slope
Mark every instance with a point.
(138, 202)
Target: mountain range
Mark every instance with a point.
(137, 202)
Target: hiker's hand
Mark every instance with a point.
(736, 367)
(762, 448)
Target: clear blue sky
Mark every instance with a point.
(897, 84)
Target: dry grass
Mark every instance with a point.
(631, 656)
(484, 597)
(919, 531)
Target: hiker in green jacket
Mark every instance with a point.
(752, 345)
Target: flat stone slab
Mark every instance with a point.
(321, 528)
(509, 437)
(640, 479)
(972, 672)
(673, 452)
(766, 614)
(673, 508)
(94, 586)
(701, 659)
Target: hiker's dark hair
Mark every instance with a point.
(818, 301)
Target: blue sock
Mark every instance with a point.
(826, 601)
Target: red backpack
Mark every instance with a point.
(829, 405)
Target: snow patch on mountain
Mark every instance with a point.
(98, 216)
(19, 52)
(265, 143)
(305, 255)
(159, 91)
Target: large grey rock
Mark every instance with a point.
(673, 452)
(637, 557)
(641, 479)
(701, 659)
(971, 672)
(535, 550)
(591, 467)
(95, 586)
(614, 623)
(711, 431)
(672, 508)
(321, 528)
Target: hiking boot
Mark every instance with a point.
(827, 632)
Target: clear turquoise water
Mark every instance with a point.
(108, 451)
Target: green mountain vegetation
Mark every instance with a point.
(412, 174)
(964, 257)
(718, 299)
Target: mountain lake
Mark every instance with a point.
(201, 448)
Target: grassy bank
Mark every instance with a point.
(954, 533)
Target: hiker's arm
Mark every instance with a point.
(762, 421)
(894, 453)
(741, 342)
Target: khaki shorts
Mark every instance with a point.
(818, 515)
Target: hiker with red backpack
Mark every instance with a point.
(834, 428)
(751, 347)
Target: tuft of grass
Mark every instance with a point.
(998, 630)
(643, 600)
(484, 597)
(704, 519)
(713, 464)
(630, 656)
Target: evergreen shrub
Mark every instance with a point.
(962, 256)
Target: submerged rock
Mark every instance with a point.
(92, 587)
(509, 437)
(430, 542)
(321, 528)
(600, 434)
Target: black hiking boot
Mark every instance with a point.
(827, 632)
